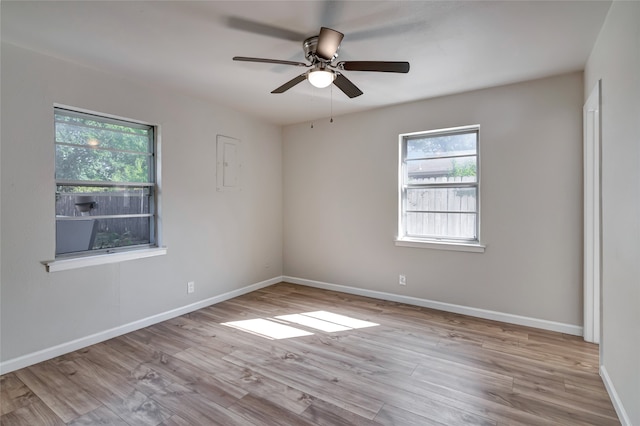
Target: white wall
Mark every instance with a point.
(340, 201)
(616, 60)
(222, 241)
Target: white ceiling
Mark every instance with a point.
(453, 46)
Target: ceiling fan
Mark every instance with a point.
(322, 51)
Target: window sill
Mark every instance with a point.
(102, 259)
(441, 245)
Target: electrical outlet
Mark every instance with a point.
(191, 287)
(402, 280)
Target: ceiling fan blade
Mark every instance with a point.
(332, 11)
(328, 43)
(378, 66)
(289, 84)
(270, 61)
(386, 31)
(347, 86)
(263, 29)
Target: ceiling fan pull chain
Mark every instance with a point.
(331, 121)
(313, 98)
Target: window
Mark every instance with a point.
(105, 184)
(439, 186)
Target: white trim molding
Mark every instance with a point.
(615, 399)
(102, 259)
(63, 348)
(592, 216)
(447, 307)
(440, 245)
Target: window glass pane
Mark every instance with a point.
(439, 185)
(94, 164)
(122, 232)
(442, 145)
(98, 201)
(74, 236)
(441, 225)
(92, 215)
(94, 133)
(429, 171)
(442, 199)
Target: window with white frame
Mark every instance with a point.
(105, 173)
(439, 186)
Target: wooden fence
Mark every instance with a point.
(462, 201)
(111, 232)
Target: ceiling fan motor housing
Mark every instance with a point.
(309, 46)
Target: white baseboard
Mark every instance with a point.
(61, 349)
(48, 353)
(447, 307)
(615, 399)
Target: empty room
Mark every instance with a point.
(320, 213)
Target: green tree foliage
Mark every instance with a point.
(461, 169)
(88, 150)
(439, 146)
(435, 149)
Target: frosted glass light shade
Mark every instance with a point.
(320, 78)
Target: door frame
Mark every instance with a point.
(592, 216)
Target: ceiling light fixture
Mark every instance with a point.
(320, 78)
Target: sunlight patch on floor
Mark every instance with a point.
(280, 328)
(340, 319)
(268, 329)
(312, 322)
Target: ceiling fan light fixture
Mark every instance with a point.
(321, 78)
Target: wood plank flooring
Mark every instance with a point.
(416, 366)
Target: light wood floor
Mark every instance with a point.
(416, 367)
